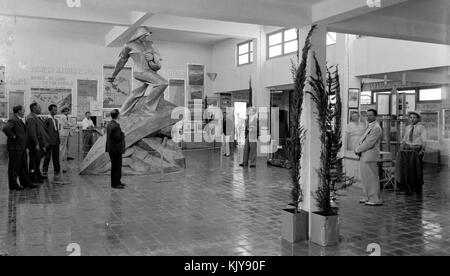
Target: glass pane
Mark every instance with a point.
(243, 49)
(275, 51)
(243, 59)
(430, 94)
(290, 34)
(366, 97)
(251, 46)
(275, 39)
(407, 91)
(331, 38)
(291, 47)
(251, 57)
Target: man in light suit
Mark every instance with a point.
(368, 150)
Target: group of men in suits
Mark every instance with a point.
(42, 139)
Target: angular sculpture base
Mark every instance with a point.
(146, 153)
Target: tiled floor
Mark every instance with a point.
(213, 208)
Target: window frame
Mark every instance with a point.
(426, 88)
(283, 43)
(250, 52)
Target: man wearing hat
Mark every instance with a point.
(415, 134)
(147, 62)
(410, 158)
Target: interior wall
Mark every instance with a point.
(57, 60)
(378, 55)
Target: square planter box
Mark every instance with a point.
(294, 227)
(324, 230)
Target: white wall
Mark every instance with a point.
(41, 54)
(378, 55)
(267, 72)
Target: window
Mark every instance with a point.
(375, 95)
(245, 52)
(282, 43)
(331, 38)
(434, 94)
(366, 97)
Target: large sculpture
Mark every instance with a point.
(145, 117)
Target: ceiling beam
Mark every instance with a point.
(332, 11)
(212, 27)
(249, 11)
(377, 25)
(119, 34)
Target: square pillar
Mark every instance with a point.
(312, 147)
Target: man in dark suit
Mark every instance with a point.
(52, 152)
(115, 146)
(37, 142)
(15, 130)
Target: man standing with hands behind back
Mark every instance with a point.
(15, 130)
(368, 150)
(115, 146)
(37, 142)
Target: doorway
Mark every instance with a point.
(240, 112)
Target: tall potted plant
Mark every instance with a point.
(295, 220)
(326, 96)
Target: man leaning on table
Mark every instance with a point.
(368, 150)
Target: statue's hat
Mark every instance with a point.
(140, 32)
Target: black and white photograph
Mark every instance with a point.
(228, 129)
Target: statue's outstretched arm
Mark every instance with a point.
(124, 56)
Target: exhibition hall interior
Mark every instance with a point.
(224, 128)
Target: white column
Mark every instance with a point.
(312, 146)
(346, 62)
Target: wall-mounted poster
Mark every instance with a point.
(430, 119)
(3, 109)
(353, 98)
(16, 98)
(115, 94)
(446, 124)
(196, 92)
(176, 92)
(86, 93)
(196, 74)
(2, 83)
(46, 96)
(350, 112)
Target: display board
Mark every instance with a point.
(176, 92)
(430, 119)
(61, 97)
(115, 94)
(86, 94)
(353, 98)
(2, 83)
(16, 98)
(196, 81)
(446, 123)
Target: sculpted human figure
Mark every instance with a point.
(147, 62)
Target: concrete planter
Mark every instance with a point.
(294, 227)
(324, 229)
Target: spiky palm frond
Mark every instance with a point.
(297, 132)
(327, 98)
